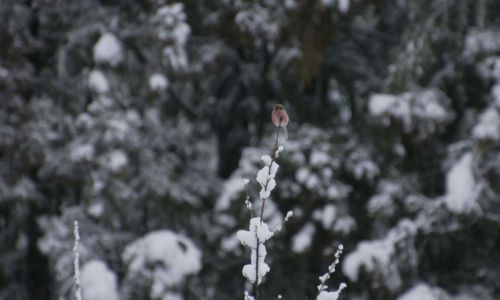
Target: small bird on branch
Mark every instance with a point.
(280, 118)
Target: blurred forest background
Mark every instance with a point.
(140, 119)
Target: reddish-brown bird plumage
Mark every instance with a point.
(279, 114)
(279, 117)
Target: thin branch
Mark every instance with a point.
(256, 283)
(273, 158)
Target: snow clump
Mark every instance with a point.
(108, 50)
(254, 238)
(164, 258)
(98, 282)
(461, 186)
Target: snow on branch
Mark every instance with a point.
(254, 238)
(76, 255)
(259, 232)
(323, 294)
(266, 176)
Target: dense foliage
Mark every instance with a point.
(140, 119)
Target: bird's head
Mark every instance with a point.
(278, 107)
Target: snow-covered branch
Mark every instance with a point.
(259, 232)
(76, 255)
(323, 294)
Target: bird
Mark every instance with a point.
(280, 118)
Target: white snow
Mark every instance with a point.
(257, 230)
(168, 13)
(422, 109)
(343, 5)
(248, 204)
(365, 168)
(116, 160)
(181, 33)
(158, 82)
(289, 214)
(231, 189)
(118, 128)
(302, 240)
(327, 173)
(82, 152)
(379, 104)
(461, 186)
(266, 159)
(381, 204)
(172, 29)
(370, 255)
(376, 256)
(258, 22)
(337, 191)
(246, 296)
(85, 121)
(327, 3)
(495, 91)
(481, 42)
(328, 216)
(98, 282)
(419, 292)
(319, 158)
(96, 210)
(171, 296)
(133, 117)
(325, 295)
(4, 72)
(171, 24)
(278, 151)
(97, 82)
(255, 237)
(430, 109)
(108, 50)
(313, 182)
(164, 257)
(344, 224)
(175, 57)
(488, 127)
(302, 174)
(331, 269)
(265, 177)
(76, 262)
(230, 243)
(101, 104)
(25, 188)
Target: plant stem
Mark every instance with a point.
(273, 157)
(256, 284)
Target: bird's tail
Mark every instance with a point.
(285, 132)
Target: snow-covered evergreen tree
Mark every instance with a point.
(140, 119)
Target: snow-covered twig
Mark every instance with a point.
(258, 231)
(76, 255)
(266, 190)
(289, 214)
(323, 294)
(254, 238)
(248, 204)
